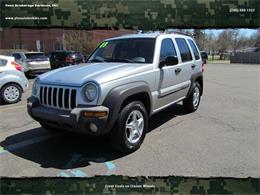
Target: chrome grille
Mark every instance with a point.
(58, 97)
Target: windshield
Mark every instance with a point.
(135, 50)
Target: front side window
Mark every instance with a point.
(184, 49)
(167, 49)
(132, 50)
(194, 49)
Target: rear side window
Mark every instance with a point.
(184, 50)
(167, 49)
(194, 49)
(3, 62)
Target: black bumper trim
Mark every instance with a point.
(68, 120)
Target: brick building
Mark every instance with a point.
(47, 39)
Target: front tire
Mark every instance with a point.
(130, 128)
(191, 103)
(11, 93)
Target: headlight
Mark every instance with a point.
(35, 87)
(90, 92)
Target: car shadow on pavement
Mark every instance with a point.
(162, 117)
(64, 150)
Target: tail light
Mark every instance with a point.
(17, 66)
(69, 59)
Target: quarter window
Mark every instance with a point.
(167, 49)
(194, 49)
(184, 50)
(3, 62)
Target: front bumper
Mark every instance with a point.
(73, 120)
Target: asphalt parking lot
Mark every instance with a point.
(221, 139)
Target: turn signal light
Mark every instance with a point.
(94, 114)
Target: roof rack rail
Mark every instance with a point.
(172, 31)
(150, 31)
(166, 31)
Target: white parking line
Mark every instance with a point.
(27, 142)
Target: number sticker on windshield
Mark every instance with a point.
(103, 45)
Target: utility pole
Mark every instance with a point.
(63, 40)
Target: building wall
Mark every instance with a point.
(22, 38)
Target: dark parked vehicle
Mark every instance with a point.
(65, 58)
(204, 56)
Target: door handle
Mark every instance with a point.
(193, 66)
(177, 70)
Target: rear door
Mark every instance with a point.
(187, 62)
(197, 61)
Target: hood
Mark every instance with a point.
(78, 75)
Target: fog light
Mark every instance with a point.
(93, 127)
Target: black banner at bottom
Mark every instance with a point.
(128, 185)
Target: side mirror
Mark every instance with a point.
(169, 61)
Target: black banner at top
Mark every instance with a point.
(136, 14)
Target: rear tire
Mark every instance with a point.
(130, 128)
(10, 93)
(191, 103)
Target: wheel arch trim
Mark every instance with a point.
(117, 96)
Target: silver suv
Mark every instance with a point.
(33, 62)
(125, 81)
